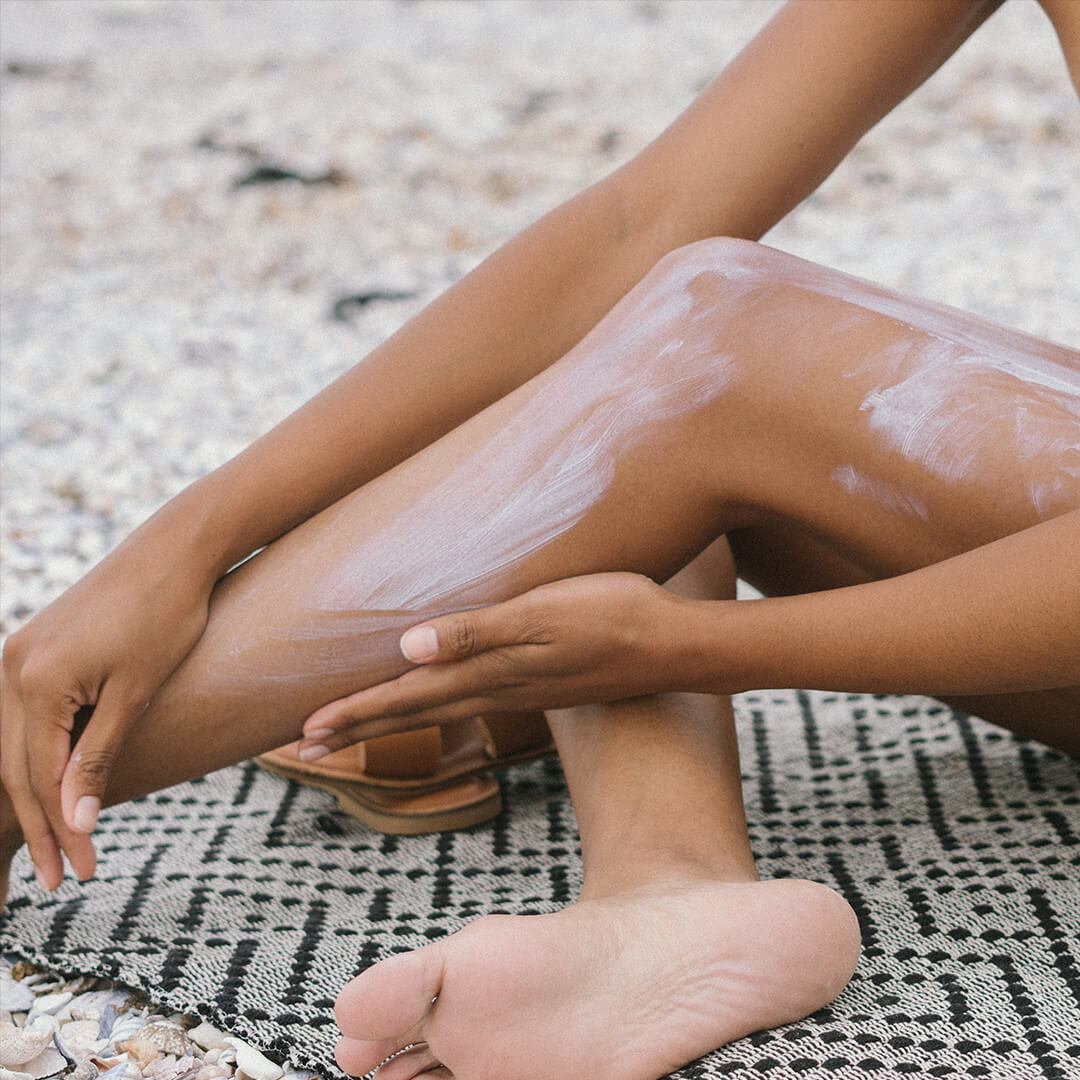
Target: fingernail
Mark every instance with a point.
(86, 813)
(42, 883)
(313, 753)
(419, 644)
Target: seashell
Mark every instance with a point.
(168, 1068)
(208, 1037)
(252, 1064)
(90, 1005)
(115, 1073)
(49, 1004)
(213, 1072)
(168, 1037)
(85, 1070)
(78, 1039)
(48, 1063)
(142, 1051)
(16, 996)
(20, 1045)
(125, 1027)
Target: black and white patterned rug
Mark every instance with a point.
(249, 900)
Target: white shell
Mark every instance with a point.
(49, 1003)
(208, 1037)
(252, 1064)
(48, 1063)
(20, 1045)
(16, 995)
(80, 1039)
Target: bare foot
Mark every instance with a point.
(630, 986)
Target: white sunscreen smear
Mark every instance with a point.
(516, 489)
(536, 477)
(960, 395)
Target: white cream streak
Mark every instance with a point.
(539, 475)
(887, 495)
(959, 389)
(513, 492)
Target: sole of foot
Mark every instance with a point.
(629, 987)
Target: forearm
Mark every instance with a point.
(1001, 618)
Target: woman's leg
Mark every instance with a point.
(615, 984)
(734, 387)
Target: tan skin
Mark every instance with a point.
(511, 331)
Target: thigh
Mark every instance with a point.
(895, 431)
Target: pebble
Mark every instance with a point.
(90, 1029)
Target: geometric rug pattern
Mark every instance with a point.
(249, 900)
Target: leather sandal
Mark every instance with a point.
(432, 780)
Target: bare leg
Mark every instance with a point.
(669, 876)
(734, 388)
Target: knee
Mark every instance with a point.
(719, 261)
(712, 302)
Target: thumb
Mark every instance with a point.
(86, 776)
(451, 637)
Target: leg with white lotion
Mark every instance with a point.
(735, 388)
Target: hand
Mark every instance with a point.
(602, 637)
(108, 643)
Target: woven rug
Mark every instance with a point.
(249, 900)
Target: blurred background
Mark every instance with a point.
(210, 208)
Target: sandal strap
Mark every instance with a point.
(509, 734)
(408, 755)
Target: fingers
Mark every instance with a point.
(419, 698)
(47, 722)
(470, 658)
(18, 779)
(56, 794)
(87, 772)
(467, 633)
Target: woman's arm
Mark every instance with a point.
(759, 140)
(1000, 618)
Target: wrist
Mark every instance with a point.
(724, 647)
(197, 532)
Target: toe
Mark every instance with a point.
(358, 1057)
(414, 1062)
(392, 998)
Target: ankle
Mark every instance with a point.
(637, 869)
